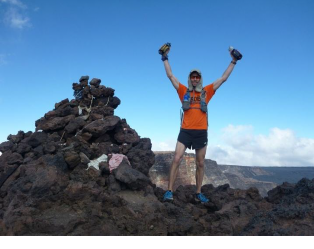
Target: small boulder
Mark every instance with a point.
(100, 127)
(84, 78)
(14, 158)
(36, 139)
(131, 177)
(65, 101)
(16, 138)
(5, 146)
(72, 159)
(95, 82)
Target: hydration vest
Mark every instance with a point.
(186, 103)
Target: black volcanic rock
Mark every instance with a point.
(36, 139)
(141, 157)
(291, 211)
(131, 177)
(16, 138)
(53, 124)
(101, 126)
(5, 146)
(95, 82)
(75, 125)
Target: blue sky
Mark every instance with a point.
(262, 116)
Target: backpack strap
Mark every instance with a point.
(186, 102)
(204, 104)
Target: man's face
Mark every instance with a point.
(195, 78)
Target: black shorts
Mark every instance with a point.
(193, 139)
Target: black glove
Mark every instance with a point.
(164, 57)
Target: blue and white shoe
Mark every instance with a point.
(168, 196)
(200, 197)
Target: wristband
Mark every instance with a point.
(164, 57)
(234, 62)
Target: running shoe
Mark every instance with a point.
(202, 198)
(168, 196)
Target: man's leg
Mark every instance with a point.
(178, 155)
(199, 175)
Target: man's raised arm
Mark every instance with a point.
(173, 79)
(226, 74)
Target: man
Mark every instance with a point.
(193, 132)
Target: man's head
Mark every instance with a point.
(195, 80)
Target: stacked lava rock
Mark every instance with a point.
(78, 131)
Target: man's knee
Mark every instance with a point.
(200, 163)
(200, 157)
(177, 159)
(179, 153)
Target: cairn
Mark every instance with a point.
(78, 131)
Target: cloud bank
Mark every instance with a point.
(281, 147)
(238, 145)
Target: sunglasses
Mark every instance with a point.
(195, 77)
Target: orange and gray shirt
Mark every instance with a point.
(195, 119)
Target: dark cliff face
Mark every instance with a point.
(236, 177)
(48, 188)
(160, 170)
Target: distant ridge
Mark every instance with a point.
(237, 176)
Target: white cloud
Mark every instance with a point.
(164, 146)
(168, 145)
(15, 19)
(15, 15)
(239, 146)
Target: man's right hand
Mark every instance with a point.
(164, 48)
